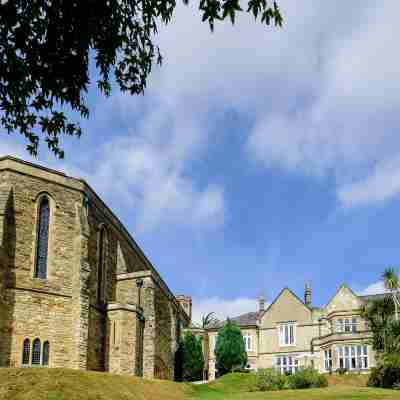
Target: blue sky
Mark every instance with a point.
(257, 158)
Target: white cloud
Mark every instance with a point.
(382, 184)
(374, 288)
(322, 93)
(223, 308)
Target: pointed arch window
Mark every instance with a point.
(42, 240)
(26, 351)
(36, 352)
(101, 270)
(46, 354)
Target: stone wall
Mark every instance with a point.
(65, 308)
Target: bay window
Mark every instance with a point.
(353, 357)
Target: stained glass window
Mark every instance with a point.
(42, 239)
(36, 352)
(26, 352)
(46, 353)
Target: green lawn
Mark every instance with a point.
(62, 384)
(237, 386)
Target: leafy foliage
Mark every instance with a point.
(387, 373)
(378, 313)
(208, 320)
(193, 359)
(230, 351)
(305, 378)
(268, 379)
(46, 47)
(392, 284)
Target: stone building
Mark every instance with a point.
(76, 291)
(291, 332)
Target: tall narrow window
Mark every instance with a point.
(287, 334)
(36, 352)
(46, 354)
(26, 351)
(42, 239)
(101, 270)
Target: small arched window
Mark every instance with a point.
(42, 239)
(46, 354)
(101, 269)
(36, 352)
(26, 351)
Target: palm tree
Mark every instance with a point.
(392, 284)
(208, 320)
(378, 313)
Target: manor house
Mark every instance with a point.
(76, 291)
(291, 333)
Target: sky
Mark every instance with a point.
(258, 158)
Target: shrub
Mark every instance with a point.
(387, 373)
(269, 379)
(306, 378)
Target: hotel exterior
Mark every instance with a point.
(291, 333)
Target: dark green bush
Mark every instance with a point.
(306, 378)
(387, 373)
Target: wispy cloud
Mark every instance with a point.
(373, 288)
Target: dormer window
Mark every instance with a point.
(287, 334)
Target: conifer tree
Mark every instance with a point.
(230, 351)
(193, 359)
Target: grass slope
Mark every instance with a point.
(237, 386)
(63, 384)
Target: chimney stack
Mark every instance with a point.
(261, 303)
(307, 294)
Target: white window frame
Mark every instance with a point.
(353, 357)
(347, 325)
(287, 364)
(328, 360)
(287, 334)
(248, 342)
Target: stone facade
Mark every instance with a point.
(101, 305)
(291, 333)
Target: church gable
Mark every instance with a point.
(286, 307)
(344, 299)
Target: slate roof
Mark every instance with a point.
(371, 297)
(247, 319)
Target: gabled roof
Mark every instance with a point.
(342, 286)
(279, 295)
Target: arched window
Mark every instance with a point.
(26, 351)
(36, 352)
(42, 239)
(46, 353)
(101, 269)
